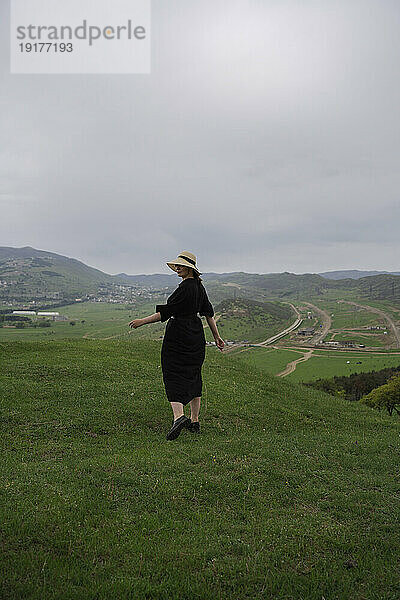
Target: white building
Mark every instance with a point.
(53, 315)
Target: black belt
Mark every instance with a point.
(184, 316)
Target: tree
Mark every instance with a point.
(44, 323)
(386, 396)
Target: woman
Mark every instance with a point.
(183, 348)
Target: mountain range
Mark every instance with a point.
(28, 272)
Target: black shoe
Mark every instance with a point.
(195, 427)
(177, 427)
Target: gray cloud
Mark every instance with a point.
(265, 139)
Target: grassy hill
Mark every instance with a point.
(251, 320)
(380, 287)
(376, 287)
(273, 285)
(288, 493)
(354, 274)
(37, 272)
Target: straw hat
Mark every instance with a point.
(186, 259)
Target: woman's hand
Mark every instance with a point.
(136, 323)
(150, 319)
(219, 342)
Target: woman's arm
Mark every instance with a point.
(214, 329)
(150, 319)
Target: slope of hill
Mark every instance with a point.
(26, 272)
(157, 280)
(251, 320)
(279, 284)
(29, 272)
(355, 274)
(380, 287)
(286, 493)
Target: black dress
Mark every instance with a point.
(183, 347)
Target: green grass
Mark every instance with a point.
(347, 315)
(244, 319)
(392, 308)
(367, 340)
(266, 359)
(100, 320)
(288, 493)
(355, 318)
(239, 328)
(324, 364)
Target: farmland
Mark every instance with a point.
(243, 319)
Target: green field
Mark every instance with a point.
(358, 338)
(356, 319)
(388, 306)
(253, 328)
(321, 364)
(331, 295)
(267, 359)
(288, 493)
(327, 364)
(350, 316)
(98, 320)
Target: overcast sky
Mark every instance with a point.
(265, 139)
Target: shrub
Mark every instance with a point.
(44, 323)
(386, 396)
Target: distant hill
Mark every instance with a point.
(288, 286)
(355, 274)
(29, 271)
(380, 287)
(259, 286)
(157, 280)
(160, 279)
(254, 321)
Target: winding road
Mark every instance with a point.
(380, 312)
(290, 367)
(276, 337)
(326, 323)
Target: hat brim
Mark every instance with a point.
(181, 261)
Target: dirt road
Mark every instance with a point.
(326, 323)
(290, 367)
(276, 337)
(382, 314)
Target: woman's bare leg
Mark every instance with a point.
(195, 409)
(177, 408)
